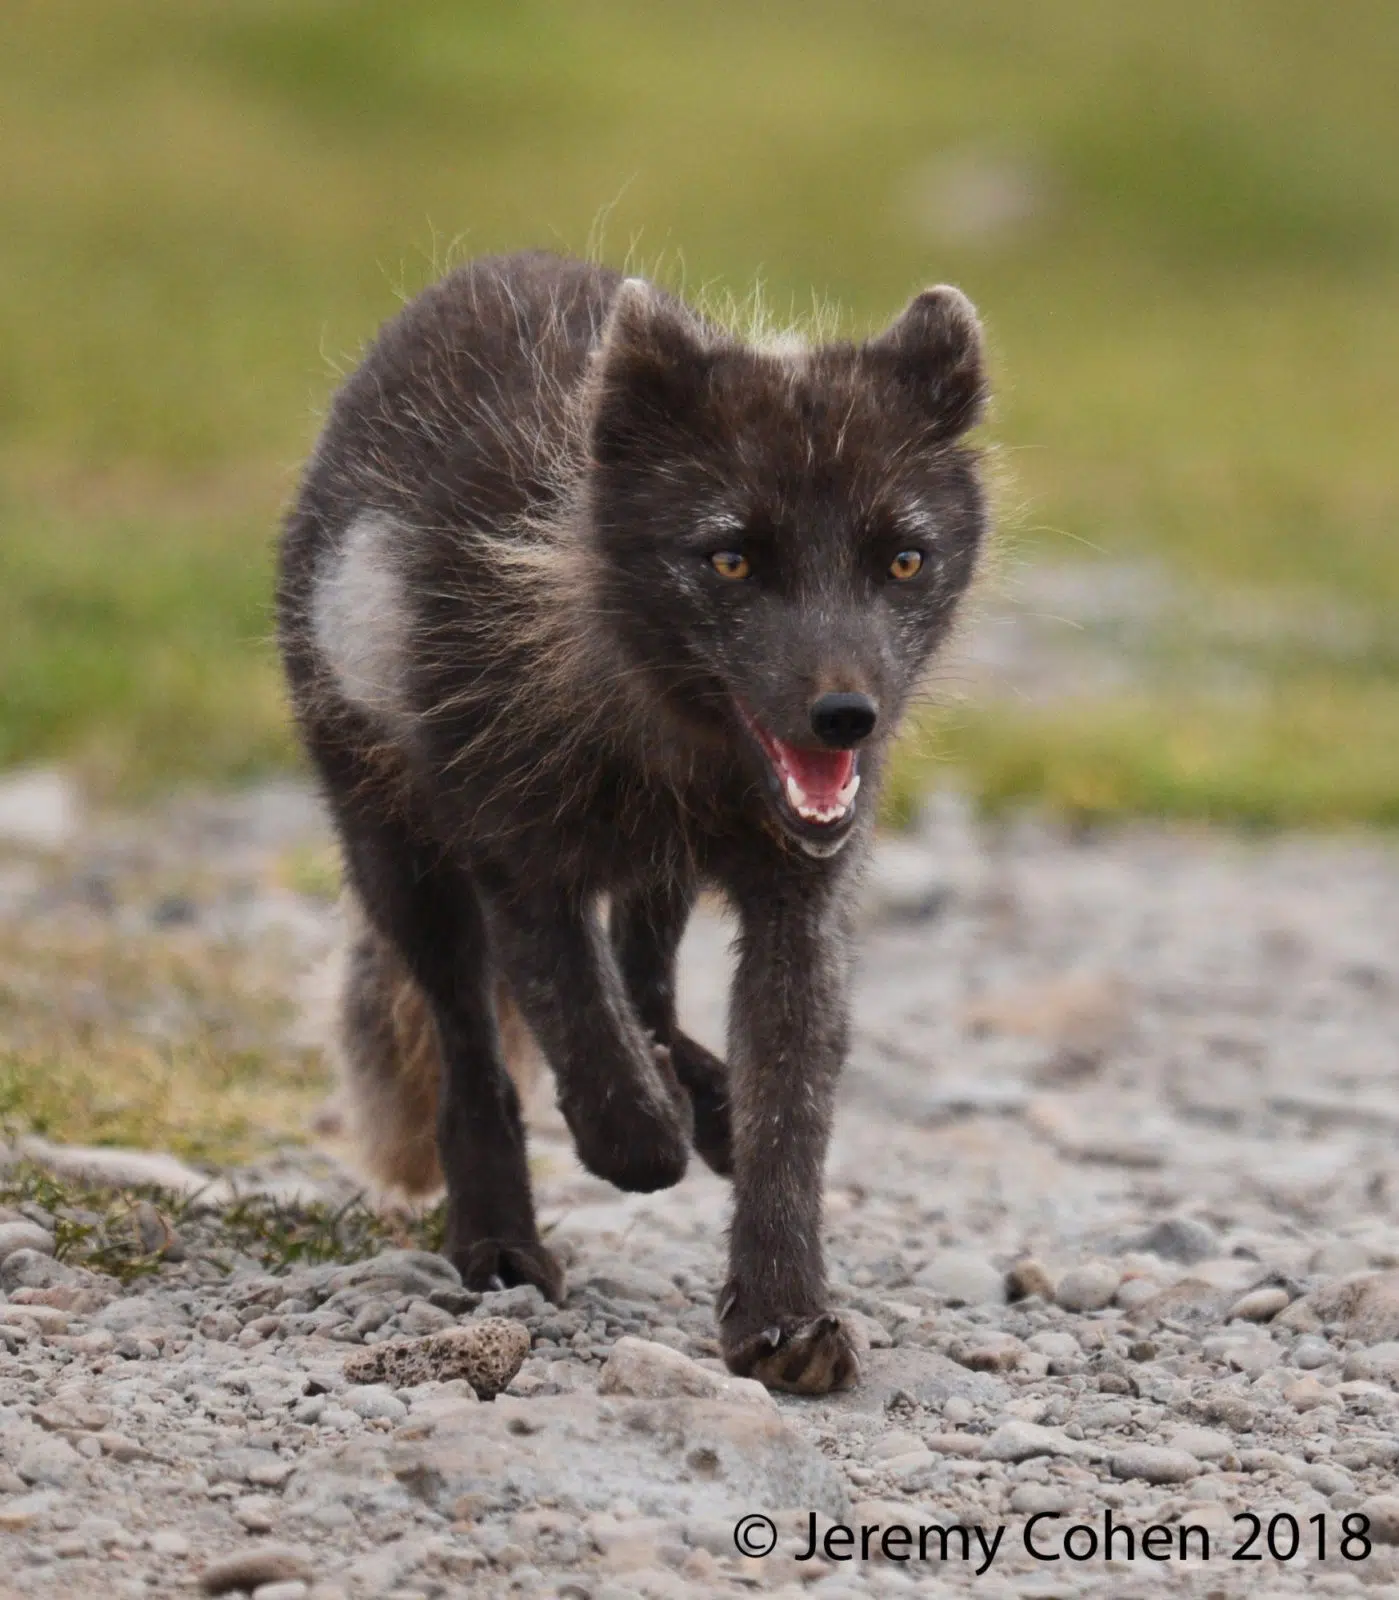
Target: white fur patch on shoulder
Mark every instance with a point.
(360, 618)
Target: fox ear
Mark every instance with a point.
(650, 373)
(935, 348)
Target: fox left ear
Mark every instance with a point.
(935, 348)
(651, 365)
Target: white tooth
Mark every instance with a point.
(848, 793)
(796, 795)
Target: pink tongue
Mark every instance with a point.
(822, 774)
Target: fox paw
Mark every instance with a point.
(810, 1355)
(487, 1264)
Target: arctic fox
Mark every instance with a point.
(586, 604)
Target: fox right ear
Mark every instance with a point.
(651, 367)
(935, 348)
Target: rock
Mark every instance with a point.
(1307, 1394)
(373, 1401)
(519, 1303)
(422, 1317)
(50, 1460)
(652, 1371)
(1379, 1363)
(1327, 1479)
(1088, 1287)
(39, 809)
(1259, 1305)
(292, 1589)
(1383, 1513)
(1192, 1301)
(1366, 1308)
(23, 1511)
(487, 1354)
(397, 1272)
(1310, 1353)
(1026, 1278)
(1155, 1463)
(989, 1352)
(1036, 1499)
(1018, 1441)
(1180, 1239)
(1205, 1444)
(682, 1457)
(24, 1236)
(1339, 1258)
(250, 1569)
(26, 1268)
(255, 1512)
(963, 1278)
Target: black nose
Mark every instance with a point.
(843, 720)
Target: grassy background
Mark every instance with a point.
(204, 211)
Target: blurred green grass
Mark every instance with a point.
(1188, 273)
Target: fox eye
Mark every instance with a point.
(731, 564)
(905, 565)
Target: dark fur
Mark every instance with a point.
(552, 453)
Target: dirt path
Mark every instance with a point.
(1112, 1197)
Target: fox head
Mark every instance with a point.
(781, 539)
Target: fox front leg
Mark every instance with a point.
(788, 1032)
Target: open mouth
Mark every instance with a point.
(815, 789)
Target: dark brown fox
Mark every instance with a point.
(586, 602)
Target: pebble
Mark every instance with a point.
(1182, 1239)
(1155, 1463)
(24, 1236)
(1383, 1512)
(1205, 1444)
(1259, 1305)
(1308, 1393)
(1019, 1441)
(375, 1401)
(1338, 1258)
(251, 1569)
(486, 1353)
(284, 1589)
(962, 1278)
(1088, 1287)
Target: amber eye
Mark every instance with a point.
(905, 564)
(730, 564)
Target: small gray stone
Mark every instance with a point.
(1339, 1258)
(24, 1236)
(1155, 1463)
(27, 1268)
(1018, 1441)
(48, 1461)
(255, 1512)
(963, 1278)
(1383, 1512)
(1365, 1307)
(1180, 1239)
(1088, 1287)
(1034, 1499)
(374, 1401)
(284, 1589)
(1205, 1444)
(1378, 1362)
(521, 1303)
(1328, 1479)
(1310, 1353)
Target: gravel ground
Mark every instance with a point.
(1111, 1198)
